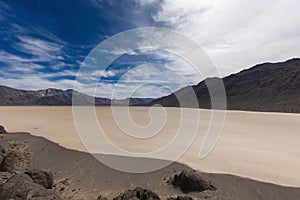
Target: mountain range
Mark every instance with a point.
(269, 87)
(56, 97)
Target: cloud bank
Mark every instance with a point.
(240, 33)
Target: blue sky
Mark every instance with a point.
(44, 42)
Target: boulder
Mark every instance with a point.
(137, 194)
(42, 177)
(190, 181)
(3, 152)
(4, 176)
(8, 163)
(21, 186)
(101, 198)
(2, 130)
(181, 198)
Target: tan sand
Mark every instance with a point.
(262, 146)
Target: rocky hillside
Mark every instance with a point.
(12, 97)
(269, 87)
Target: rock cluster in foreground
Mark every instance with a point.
(18, 183)
(187, 181)
(2, 130)
(137, 193)
(190, 181)
(144, 194)
(21, 186)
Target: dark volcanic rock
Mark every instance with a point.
(137, 194)
(4, 176)
(2, 130)
(3, 152)
(41, 177)
(21, 186)
(190, 181)
(181, 198)
(8, 163)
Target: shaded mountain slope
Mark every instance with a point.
(269, 87)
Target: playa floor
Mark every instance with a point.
(261, 146)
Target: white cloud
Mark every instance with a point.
(7, 58)
(35, 83)
(149, 80)
(58, 74)
(128, 89)
(119, 52)
(239, 33)
(41, 50)
(18, 64)
(146, 80)
(147, 2)
(34, 51)
(103, 73)
(177, 64)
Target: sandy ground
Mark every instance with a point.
(78, 175)
(262, 146)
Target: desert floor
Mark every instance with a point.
(261, 146)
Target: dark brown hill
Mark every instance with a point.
(269, 87)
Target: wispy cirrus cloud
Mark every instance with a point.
(17, 64)
(40, 50)
(4, 8)
(32, 50)
(30, 54)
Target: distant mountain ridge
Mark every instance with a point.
(56, 97)
(269, 87)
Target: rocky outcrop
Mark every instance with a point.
(34, 184)
(2, 130)
(21, 186)
(137, 194)
(41, 177)
(190, 181)
(8, 163)
(3, 152)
